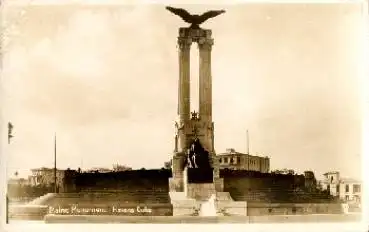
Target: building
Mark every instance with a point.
(284, 171)
(346, 189)
(46, 177)
(99, 170)
(234, 160)
(121, 168)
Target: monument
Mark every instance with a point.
(195, 167)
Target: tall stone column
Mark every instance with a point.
(184, 45)
(205, 89)
(205, 98)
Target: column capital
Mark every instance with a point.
(205, 43)
(184, 42)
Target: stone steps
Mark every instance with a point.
(277, 194)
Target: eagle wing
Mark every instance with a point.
(210, 14)
(181, 13)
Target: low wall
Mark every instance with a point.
(27, 212)
(260, 209)
(38, 212)
(243, 185)
(109, 198)
(127, 180)
(336, 218)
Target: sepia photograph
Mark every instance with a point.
(154, 113)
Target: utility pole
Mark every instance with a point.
(55, 188)
(248, 142)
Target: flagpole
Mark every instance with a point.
(55, 163)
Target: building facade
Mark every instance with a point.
(99, 170)
(346, 189)
(45, 177)
(234, 160)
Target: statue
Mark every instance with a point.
(197, 156)
(194, 20)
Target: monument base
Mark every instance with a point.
(224, 204)
(176, 184)
(200, 192)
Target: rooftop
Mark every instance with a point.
(331, 172)
(232, 151)
(349, 180)
(344, 181)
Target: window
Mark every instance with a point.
(356, 188)
(225, 159)
(347, 197)
(231, 160)
(220, 160)
(238, 160)
(347, 188)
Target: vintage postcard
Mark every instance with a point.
(167, 113)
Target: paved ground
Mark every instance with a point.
(314, 218)
(191, 219)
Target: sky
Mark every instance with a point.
(104, 79)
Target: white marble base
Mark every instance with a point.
(225, 205)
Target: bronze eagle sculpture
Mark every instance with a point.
(193, 19)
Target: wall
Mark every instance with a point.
(242, 185)
(46, 177)
(242, 161)
(27, 192)
(328, 218)
(349, 195)
(266, 187)
(134, 180)
(258, 209)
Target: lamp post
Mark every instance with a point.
(10, 135)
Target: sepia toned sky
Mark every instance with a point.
(104, 79)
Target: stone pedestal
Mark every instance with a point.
(200, 192)
(225, 205)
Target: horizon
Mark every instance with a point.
(284, 72)
(163, 168)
